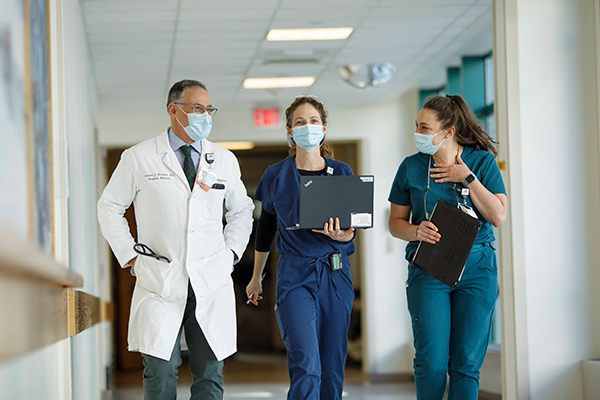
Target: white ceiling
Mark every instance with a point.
(139, 48)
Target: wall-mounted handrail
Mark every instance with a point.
(33, 297)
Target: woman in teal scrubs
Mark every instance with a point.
(450, 326)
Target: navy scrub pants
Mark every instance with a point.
(314, 315)
(160, 376)
(451, 327)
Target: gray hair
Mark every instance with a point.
(178, 89)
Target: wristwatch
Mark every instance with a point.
(470, 178)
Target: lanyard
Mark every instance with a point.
(454, 190)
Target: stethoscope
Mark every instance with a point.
(464, 194)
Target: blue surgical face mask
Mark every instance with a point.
(199, 125)
(424, 143)
(308, 136)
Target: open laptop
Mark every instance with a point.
(445, 260)
(350, 198)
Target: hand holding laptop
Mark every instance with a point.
(334, 231)
(428, 232)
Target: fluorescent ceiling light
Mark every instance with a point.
(269, 83)
(309, 34)
(237, 145)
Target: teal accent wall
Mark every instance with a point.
(453, 77)
(472, 82)
(425, 93)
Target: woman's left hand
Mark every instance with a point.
(450, 173)
(334, 231)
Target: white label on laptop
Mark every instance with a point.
(366, 178)
(361, 220)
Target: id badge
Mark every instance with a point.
(206, 179)
(335, 261)
(468, 210)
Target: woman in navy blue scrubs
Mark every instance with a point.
(313, 301)
(451, 326)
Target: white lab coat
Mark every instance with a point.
(185, 226)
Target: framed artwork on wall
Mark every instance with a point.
(37, 89)
(14, 170)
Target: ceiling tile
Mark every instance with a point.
(107, 7)
(419, 12)
(404, 23)
(190, 69)
(302, 45)
(319, 5)
(214, 37)
(428, 3)
(268, 71)
(311, 23)
(152, 37)
(131, 17)
(322, 14)
(223, 26)
(201, 5)
(227, 15)
(109, 49)
(164, 27)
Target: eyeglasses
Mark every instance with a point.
(200, 109)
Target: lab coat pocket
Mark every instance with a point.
(217, 268)
(153, 276)
(213, 204)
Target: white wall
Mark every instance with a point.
(72, 368)
(385, 133)
(89, 349)
(389, 332)
(558, 167)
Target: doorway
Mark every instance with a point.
(259, 341)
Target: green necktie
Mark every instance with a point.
(188, 165)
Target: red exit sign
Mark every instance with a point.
(266, 116)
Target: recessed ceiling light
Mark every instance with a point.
(269, 83)
(309, 34)
(237, 145)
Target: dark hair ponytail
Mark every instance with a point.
(326, 148)
(454, 111)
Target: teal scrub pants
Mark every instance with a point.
(451, 327)
(160, 376)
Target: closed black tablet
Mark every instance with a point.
(350, 198)
(445, 260)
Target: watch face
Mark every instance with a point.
(470, 178)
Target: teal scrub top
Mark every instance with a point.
(410, 185)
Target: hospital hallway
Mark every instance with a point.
(491, 107)
(263, 376)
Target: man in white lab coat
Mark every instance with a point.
(178, 182)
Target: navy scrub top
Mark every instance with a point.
(279, 192)
(410, 185)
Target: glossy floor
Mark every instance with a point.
(251, 377)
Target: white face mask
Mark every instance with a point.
(199, 126)
(424, 143)
(308, 136)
